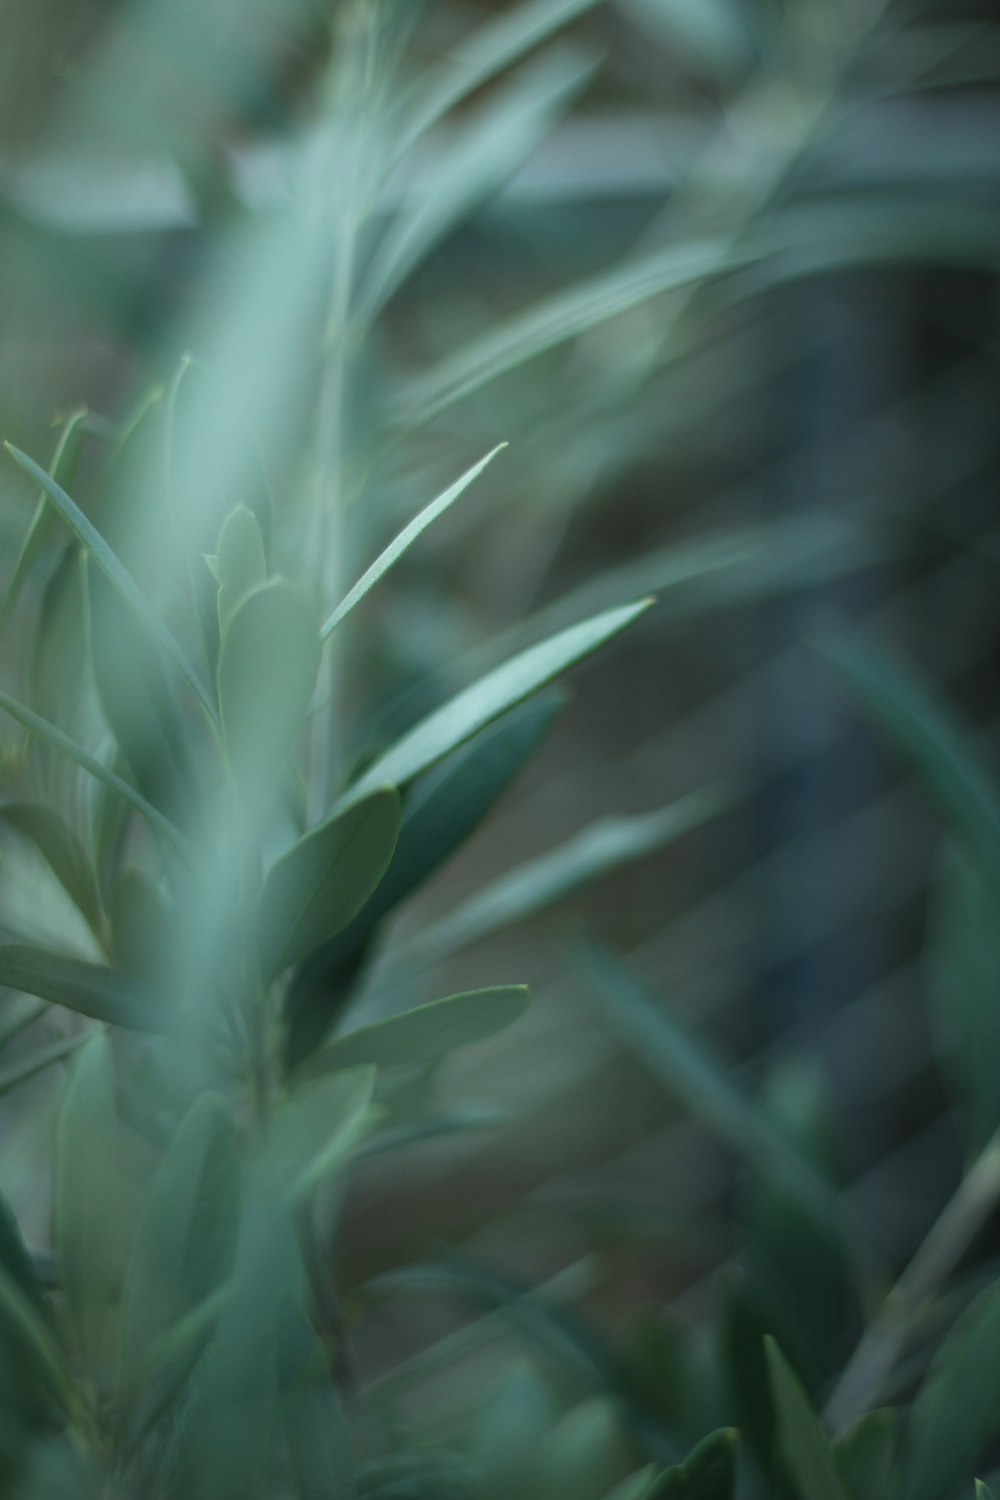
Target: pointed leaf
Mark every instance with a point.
(582, 1453)
(867, 1456)
(61, 850)
(500, 690)
(117, 574)
(86, 1198)
(404, 541)
(315, 1430)
(240, 563)
(425, 1033)
(267, 670)
(323, 881)
(708, 1472)
(63, 463)
(956, 1413)
(93, 990)
(801, 1438)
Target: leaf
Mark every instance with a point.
(16, 1262)
(93, 990)
(440, 812)
(867, 1456)
(86, 1198)
(425, 1033)
(62, 743)
(929, 736)
(31, 1365)
(112, 568)
(62, 852)
(318, 1126)
(529, 888)
(801, 1437)
(500, 690)
(562, 317)
(700, 1080)
(955, 1414)
(324, 880)
(404, 541)
(983, 1492)
(30, 1064)
(167, 1371)
(489, 52)
(315, 1430)
(708, 1472)
(510, 1436)
(62, 466)
(582, 1452)
(140, 925)
(492, 145)
(240, 565)
(961, 963)
(186, 1240)
(268, 663)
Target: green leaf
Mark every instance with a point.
(318, 1126)
(186, 1240)
(956, 1413)
(93, 990)
(927, 733)
(30, 1064)
(16, 1262)
(404, 541)
(268, 663)
(440, 812)
(708, 1472)
(116, 573)
(167, 1370)
(324, 880)
(983, 1492)
(315, 1430)
(562, 317)
(867, 1456)
(63, 463)
(31, 1365)
(510, 1436)
(140, 916)
(425, 1033)
(503, 688)
(86, 1199)
(489, 52)
(62, 852)
(62, 743)
(529, 888)
(582, 1453)
(240, 563)
(801, 1437)
(962, 962)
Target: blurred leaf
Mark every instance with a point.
(746, 1321)
(440, 811)
(957, 1408)
(500, 690)
(62, 743)
(61, 468)
(93, 990)
(867, 1456)
(29, 1064)
(109, 564)
(529, 888)
(929, 736)
(16, 1262)
(492, 146)
(983, 1492)
(240, 564)
(323, 881)
(165, 1373)
(318, 1125)
(86, 1199)
(315, 1429)
(708, 1472)
(186, 1238)
(562, 317)
(426, 1032)
(404, 541)
(582, 1452)
(268, 663)
(801, 1438)
(710, 36)
(510, 1435)
(140, 918)
(962, 960)
(489, 52)
(62, 852)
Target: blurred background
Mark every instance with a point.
(806, 428)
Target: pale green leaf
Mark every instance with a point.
(240, 563)
(318, 1126)
(30, 1064)
(92, 989)
(63, 462)
(315, 1429)
(61, 850)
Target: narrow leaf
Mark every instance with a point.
(116, 573)
(801, 1437)
(323, 881)
(32, 1063)
(501, 689)
(93, 990)
(404, 541)
(86, 1201)
(867, 1456)
(61, 850)
(425, 1033)
(61, 468)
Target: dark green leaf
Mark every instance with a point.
(510, 1436)
(314, 1424)
(708, 1472)
(426, 1032)
(582, 1452)
(801, 1438)
(16, 1262)
(957, 1409)
(61, 850)
(867, 1456)
(93, 990)
(324, 880)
